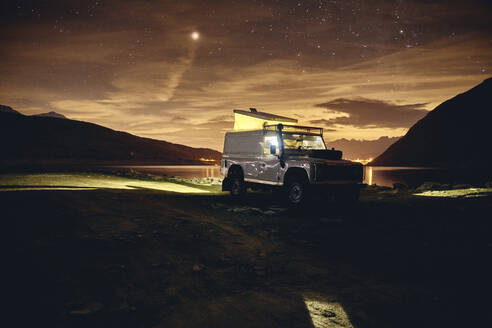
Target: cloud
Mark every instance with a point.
(321, 122)
(178, 119)
(131, 65)
(364, 113)
(149, 82)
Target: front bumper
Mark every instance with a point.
(338, 174)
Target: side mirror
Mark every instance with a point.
(273, 149)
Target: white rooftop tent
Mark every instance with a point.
(254, 120)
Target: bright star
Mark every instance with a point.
(195, 35)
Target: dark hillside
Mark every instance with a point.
(455, 133)
(48, 138)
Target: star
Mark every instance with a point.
(195, 35)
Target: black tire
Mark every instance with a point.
(238, 187)
(296, 191)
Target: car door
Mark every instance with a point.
(268, 169)
(268, 162)
(250, 168)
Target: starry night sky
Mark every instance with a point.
(361, 69)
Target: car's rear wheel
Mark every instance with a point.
(237, 187)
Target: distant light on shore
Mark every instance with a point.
(207, 159)
(362, 161)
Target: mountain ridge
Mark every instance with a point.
(8, 109)
(455, 133)
(51, 114)
(362, 149)
(37, 138)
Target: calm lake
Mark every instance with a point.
(380, 175)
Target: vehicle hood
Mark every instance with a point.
(329, 154)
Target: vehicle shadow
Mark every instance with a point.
(146, 258)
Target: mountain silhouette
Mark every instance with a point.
(7, 109)
(454, 134)
(362, 149)
(48, 138)
(51, 114)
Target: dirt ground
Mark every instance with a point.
(146, 258)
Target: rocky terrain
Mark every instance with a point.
(147, 258)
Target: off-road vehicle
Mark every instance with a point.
(268, 150)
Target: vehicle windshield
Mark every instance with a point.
(303, 141)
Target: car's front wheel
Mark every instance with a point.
(296, 191)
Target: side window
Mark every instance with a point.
(268, 142)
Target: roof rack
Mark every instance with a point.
(264, 116)
(294, 129)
